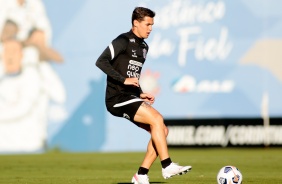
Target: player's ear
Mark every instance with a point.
(135, 23)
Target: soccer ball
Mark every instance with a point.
(229, 175)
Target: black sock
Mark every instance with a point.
(166, 162)
(143, 171)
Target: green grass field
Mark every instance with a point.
(258, 165)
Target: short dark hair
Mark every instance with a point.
(139, 13)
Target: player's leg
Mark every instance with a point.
(151, 153)
(157, 145)
(150, 156)
(146, 114)
(151, 120)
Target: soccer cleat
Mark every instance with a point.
(174, 169)
(140, 179)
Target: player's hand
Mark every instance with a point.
(147, 98)
(132, 81)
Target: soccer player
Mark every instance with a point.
(122, 61)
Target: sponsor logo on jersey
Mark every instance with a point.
(137, 63)
(134, 68)
(132, 40)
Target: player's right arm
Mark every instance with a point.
(117, 46)
(132, 81)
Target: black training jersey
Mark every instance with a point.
(123, 58)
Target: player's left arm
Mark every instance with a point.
(147, 97)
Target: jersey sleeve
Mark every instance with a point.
(117, 46)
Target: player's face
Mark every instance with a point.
(144, 28)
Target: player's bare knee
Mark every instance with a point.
(159, 118)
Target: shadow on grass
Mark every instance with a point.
(131, 183)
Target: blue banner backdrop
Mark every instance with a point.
(207, 59)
